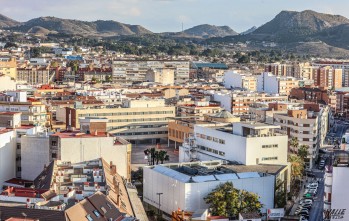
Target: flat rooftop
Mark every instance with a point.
(198, 172)
(258, 126)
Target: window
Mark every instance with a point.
(270, 146)
(18, 146)
(269, 158)
(103, 209)
(53, 143)
(221, 141)
(54, 155)
(19, 169)
(97, 214)
(221, 153)
(89, 218)
(109, 206)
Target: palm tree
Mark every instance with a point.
(294, 144)
(163, 156)
(297, 166)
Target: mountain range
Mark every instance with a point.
(286, 27)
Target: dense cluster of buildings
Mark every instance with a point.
(68, 123)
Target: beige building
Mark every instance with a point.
(33, 111)
(135, 120)
(174, 92)
(198, 110)
(8, 67)
(307, 122)
(36, 74)
(162, 76)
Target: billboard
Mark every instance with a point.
(275, 213)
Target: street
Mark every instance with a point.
(316, 213)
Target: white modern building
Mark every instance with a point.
(7, 155)
(35, 155)
(246, 143)
(336, 194)
(233, 79)
(269, 83)
(184, 185)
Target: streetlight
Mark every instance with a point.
(159, 194)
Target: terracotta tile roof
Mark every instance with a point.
(98, 206)
(36, 214)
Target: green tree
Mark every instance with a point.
(303, 152)
(227, 201)
(280, 194)
(297, 166)
(156, 156)
(162, 156)
(138, 175)
(244, 59)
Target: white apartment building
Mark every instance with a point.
(184, 185)
(33, 112)
(7, 155)
(336, 195)
(244, 143)
(269, 83)
(128, 71)
(90, 143)
(10, 149)
(239, 102)
(35, 155)
(233, 79)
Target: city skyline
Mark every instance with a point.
(168, 15)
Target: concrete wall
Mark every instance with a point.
(189, 196)
(224, 99)
(7, 157)
(35, 155)
(77, 150)
(6, 83)
(232, 79)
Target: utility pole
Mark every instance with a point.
(159, 194)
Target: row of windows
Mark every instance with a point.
(137, 120)
(270, 146)
(214, 139)
(269, 158)
(125, 113)
(221, 153)
(141, 133)
(137, 127)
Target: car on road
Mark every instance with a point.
(313, 185)
(302, 201)
(304, 218)
(304, 213)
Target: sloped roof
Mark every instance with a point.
(224, 114)
(37, 214)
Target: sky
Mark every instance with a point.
(168, 15)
